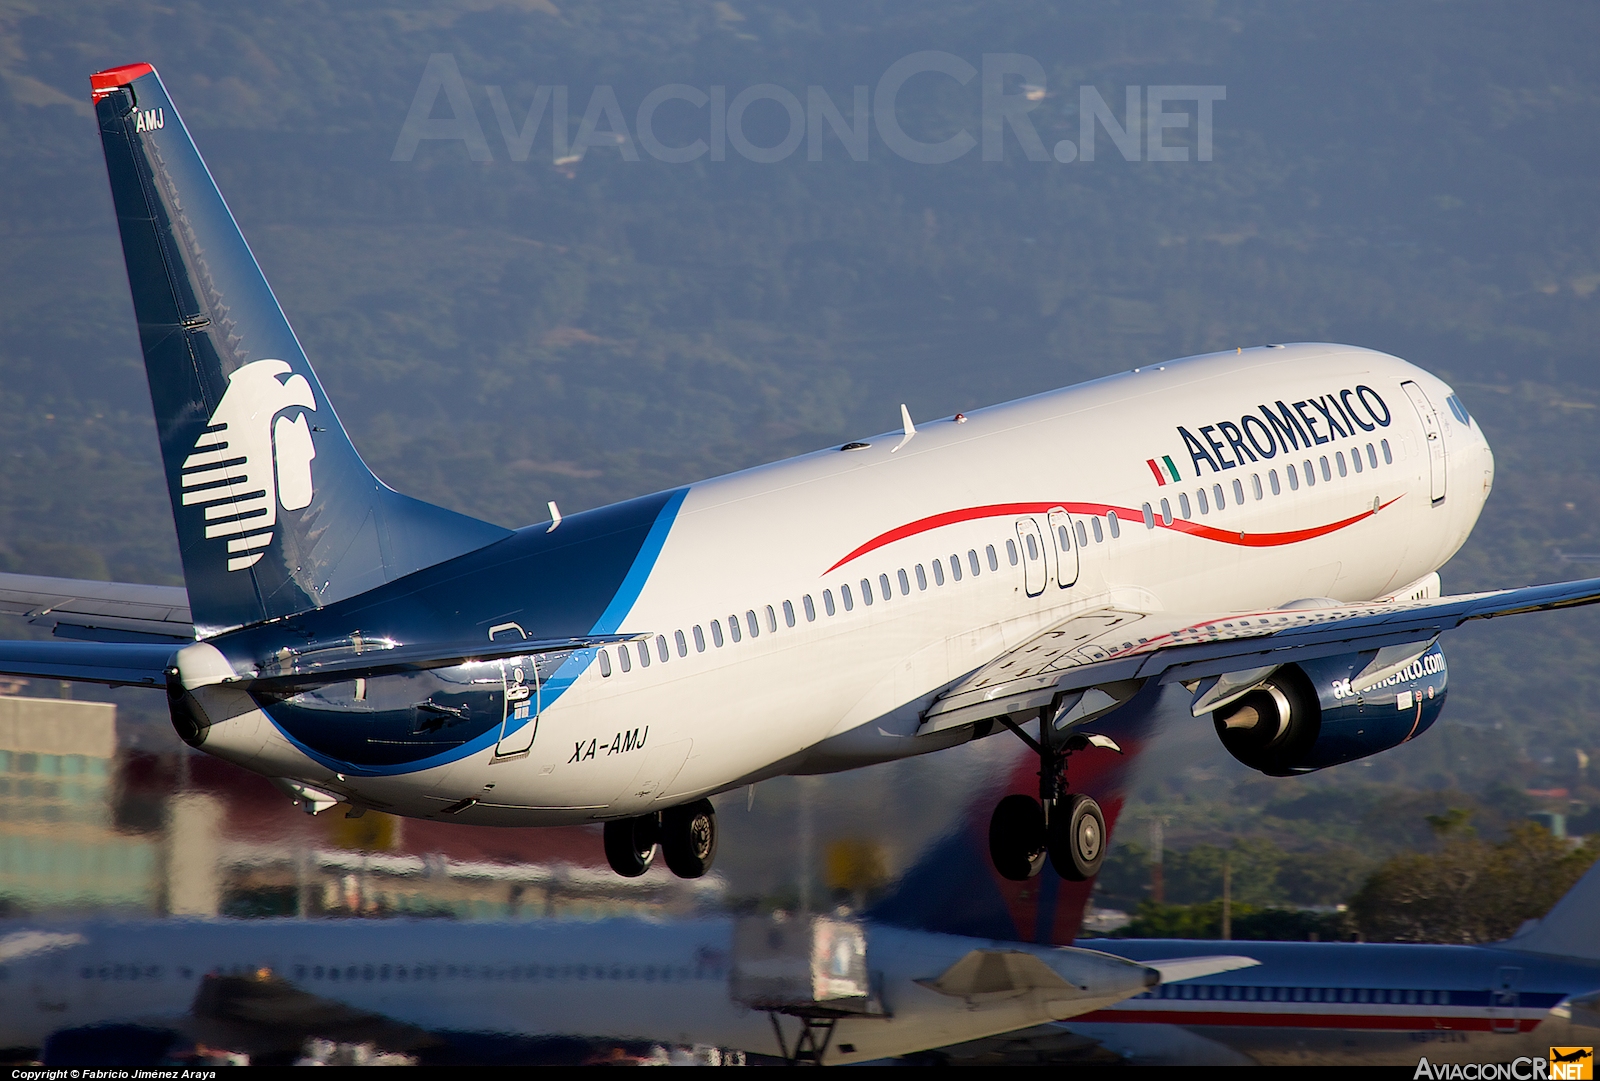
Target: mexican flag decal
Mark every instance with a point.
(1157, 465)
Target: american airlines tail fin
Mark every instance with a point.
(276, 512)
(1571, 928)
(954, 889)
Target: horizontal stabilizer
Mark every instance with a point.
(116, 664)
(375, 657)
(1178, 969)
(101, 611)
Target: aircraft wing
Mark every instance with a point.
(1107, 653)
(100, 611)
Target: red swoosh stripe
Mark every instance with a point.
(1193, 529)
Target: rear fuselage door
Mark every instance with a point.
(1035, 569)
(1432, 435)
(1066, 545)
(522, 707)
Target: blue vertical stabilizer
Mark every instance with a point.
(276, 512)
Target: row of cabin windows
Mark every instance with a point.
(420, 973)
(424, 973)
(1218, 493)
(1300, 994)
(753, 621)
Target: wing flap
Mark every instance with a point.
(75, 608)
(1113, 644)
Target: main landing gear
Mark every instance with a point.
(1065, 827)
(687, 836)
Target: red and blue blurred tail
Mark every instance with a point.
(954, 889)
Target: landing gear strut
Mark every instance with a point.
(1065, 826)
(687, 836)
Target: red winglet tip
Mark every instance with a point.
(104, 82)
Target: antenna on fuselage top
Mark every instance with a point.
(907, 428)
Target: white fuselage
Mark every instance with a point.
(814, 682)
(664, 981)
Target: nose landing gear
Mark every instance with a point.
(1067, 827)
(687, 836)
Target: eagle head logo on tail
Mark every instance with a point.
(249, 460)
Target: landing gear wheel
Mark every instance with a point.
(1077, 838)
(1017, 838)
(631, 844)
(689, 838)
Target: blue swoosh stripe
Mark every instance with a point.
(622, 602)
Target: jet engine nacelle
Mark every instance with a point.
(1307, 716)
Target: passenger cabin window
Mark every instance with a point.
(623, 659)
(1149, 516)
(751, 622)
(683, 643)
(1338, 460)
(922, 577)
(883, 587)
(644, 654)
(605, 663)
(849, 601)
(972, 556)
(1205, 504)
(1372, 456)
(1311, 474)
(1327, 474)
(699, 639)
(1183, 505)
(866, 591)
(788, 613)
(1294, 479)
(1099, 537)
(1166, 512)
(1388, 458)
(733, 628)
(827, 601)
(1355, 459)
(1083, 538)
(716, 633)
(1272, 479)
(661, 646)
(938, 573)
(905, 583)
(772, 617)
(1238, 491)
(810, 607)
(1216, 494)
(1112, 524)
(1255, 484)
(1064, 538)
(955, 567)
(1011, 552)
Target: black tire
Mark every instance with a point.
(1078, 839)
(631, 845)
(1016, 838)
(689, 838)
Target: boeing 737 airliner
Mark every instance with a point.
(1263, 526)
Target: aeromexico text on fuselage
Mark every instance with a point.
(1285, 426)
